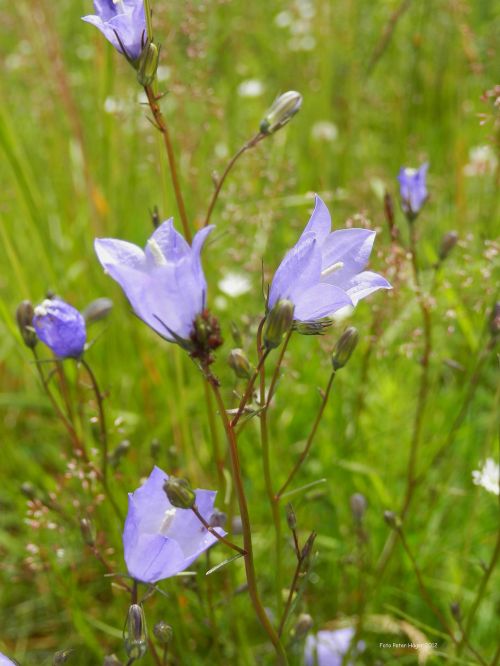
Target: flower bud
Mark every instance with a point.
(291, 518)
(346, 344)
(307, 548)
(87, 530)
(163, 632)
(312, 327)
(302, 626)
(97, 310)
(179, 493)
(392, 520)
(279, 321)
(61, 657)
(358, 506)
(281, 112)
(148, 64)
(111, 660)
(495, 320)
(456, 611)
(239, 363)
(217, 519)
(135, 634)
(448, 242)
(24, 317)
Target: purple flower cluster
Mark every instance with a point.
(160, 540)
(164, 284)
(324, 271)
(123, 23)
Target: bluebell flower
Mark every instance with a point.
(413, 190)
(123, 23)
(327, 648)
(61, 327)
(164, 284)
(324, 271)
(160, 540)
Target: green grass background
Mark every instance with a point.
(80, 160)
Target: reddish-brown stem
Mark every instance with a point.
(218, 536)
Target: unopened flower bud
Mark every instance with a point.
(97, 310)
(135, 634)
(279, 321)
(163, 632)
(495, 320)
(179, 493)
(448, 242)
(239, 363)
(302, 626)
(307, 548)
(87, 530)
(148, 64)
(61, 657)
(116, 456)
(24, 317)
(217, 519)
(392, 520)
(281, 111)
(291, 518)
(456, 611)
(236, 334)
(312, 327)
(346, 344)
(358, 506)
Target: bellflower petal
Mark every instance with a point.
(5, 661)
(165, 285)
(327, 648)
(413, 189)
(121, 21)
(324, 272)
(61, 327)
(160, 540)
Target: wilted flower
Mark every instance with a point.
(324, 272)
(61, 327)
(327, 648)
(123, 23)
(413, 190)
(165, 283)
(159, 540)
(488, 476)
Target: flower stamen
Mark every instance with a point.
(167, 520)
(337, 266)
(158, 256)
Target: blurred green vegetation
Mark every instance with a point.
(80, 160)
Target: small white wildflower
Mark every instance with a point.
(482, 160)
(324, 130)
(251, 88)
(283, 19)
(488, 476)
(235, 284)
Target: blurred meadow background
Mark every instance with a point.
(385, 85)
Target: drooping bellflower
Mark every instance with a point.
(61, 327)
(327, 648)
(324, 271)
(164, 284)
(123, 23)
(160, 540)
(413, 190)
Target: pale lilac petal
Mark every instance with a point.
(320, 301)
(171, 243)
(61, 327)
(362, 285)
(350, 247)
(327, 648)
(299, 270)
(153, 558)
(320, 223)
(113, 251)
(128, 27)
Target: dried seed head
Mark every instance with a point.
(61, 657)
(163, 632)
(179, 493)
(392, 520)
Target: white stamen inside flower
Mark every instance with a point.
(410, 172)
(167, 520)
(331, 269)
(44, 308)
(158, 256)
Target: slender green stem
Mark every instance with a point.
(249, 389)
(218, 536)
(220, 182)
(149, 20)
(163, 129)
(310, 439)
(246, 527)
(277, 368)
